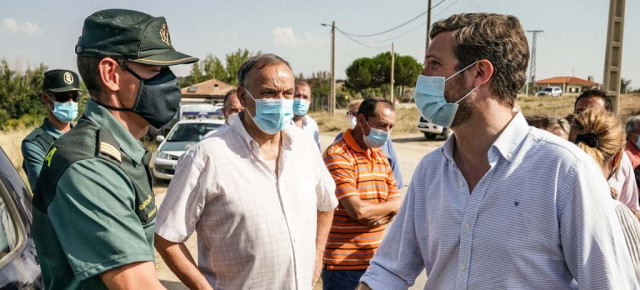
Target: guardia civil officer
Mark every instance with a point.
(59, 95)
(94, 208)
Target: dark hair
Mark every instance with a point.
(258, 61)
(608, 105)
(303, 83)
(368, 106)
(538, 121)
(226, 96)
(89, 71)
(494, 37)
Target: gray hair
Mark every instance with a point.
(258, 61)
(633, 124)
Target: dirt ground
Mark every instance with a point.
(410, 149)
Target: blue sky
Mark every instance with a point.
(573, 42)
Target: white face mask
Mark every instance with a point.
(353, 121)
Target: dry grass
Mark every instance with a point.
(10, 142)
(407, 114)
(406, 120)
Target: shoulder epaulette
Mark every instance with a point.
(111, 151)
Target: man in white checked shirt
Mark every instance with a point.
(500, 205)
(257, 193)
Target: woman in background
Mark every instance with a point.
(601, 136)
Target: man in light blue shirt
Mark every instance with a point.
(301, 104)
(500, 205)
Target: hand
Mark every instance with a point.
(317, 270)
(382, 221)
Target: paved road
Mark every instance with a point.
(410, 149)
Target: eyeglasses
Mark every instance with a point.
(351, 114)
(65, 96)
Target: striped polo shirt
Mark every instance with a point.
(366, 174)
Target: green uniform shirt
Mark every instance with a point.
(93, 211)
(35, 147)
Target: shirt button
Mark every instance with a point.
(462, 184)
(467, 226)
(463, 267)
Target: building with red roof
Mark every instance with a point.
(569, 85)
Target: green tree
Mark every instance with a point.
(360, 75)
(371, 77)
(213, 68)
(234, 61)
(20, 94)
(625, 85)
(406, 73)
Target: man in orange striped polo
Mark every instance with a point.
(367, 192)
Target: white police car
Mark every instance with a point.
(182, 136)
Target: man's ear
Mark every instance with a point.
(241, 95)
(44, 98)
(484, 72)
(107, 70)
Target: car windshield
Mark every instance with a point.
(548, 89)
(190, 131)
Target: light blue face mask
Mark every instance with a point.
(64, 112)
(300, 107)
(376, 137)
(272, 115)
(430, 100)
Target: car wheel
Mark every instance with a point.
(429, 136)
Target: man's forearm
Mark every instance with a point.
(325, 218)
(181, 263)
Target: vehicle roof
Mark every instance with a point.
(201, 121)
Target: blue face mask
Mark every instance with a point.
(376, 137)
(64, 112)
(300, 107)
(430, 100)
(272, 115)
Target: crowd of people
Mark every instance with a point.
(500, 205)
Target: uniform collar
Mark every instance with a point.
(128, 144)
(506, 145)
(49, 128)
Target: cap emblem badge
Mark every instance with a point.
(164, 34)
(68, 78)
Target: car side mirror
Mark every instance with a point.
(159, 138)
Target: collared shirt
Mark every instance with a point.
(540, 218)
(256, 229)
(33, 152)
(367, 175)
(91, 225)
(633, 153)
(310, 127)
(624, 182)
(390, 152)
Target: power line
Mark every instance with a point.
(394, 28)
(358, 42)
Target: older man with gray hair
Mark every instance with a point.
(633, 141)
(261, 202)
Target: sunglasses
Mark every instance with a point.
(351, 114)
(65, 96)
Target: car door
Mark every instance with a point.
(19, 267)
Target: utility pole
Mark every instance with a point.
(428, 27)
(332, 102)
(393, 64)
(532, 66)
(613, 54)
